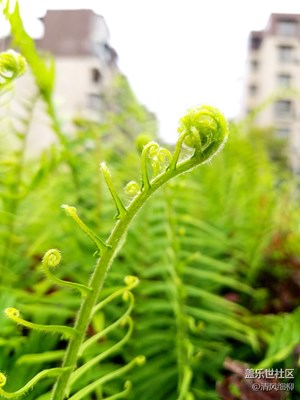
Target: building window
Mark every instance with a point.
(286, 28)
(283, 108)
(253, 89)
(282, 133)
(284, 80)
(255, 42)
(96, 75)
(286, 54)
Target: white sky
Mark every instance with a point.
(179, 53)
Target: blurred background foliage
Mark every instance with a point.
(217, 252)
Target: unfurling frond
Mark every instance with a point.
(12, 65)
(14, 315)
(53, 372)
(52, 259)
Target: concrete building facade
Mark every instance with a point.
(85, 62)
(273, 80)
(85, 66)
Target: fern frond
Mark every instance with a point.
(52, 259)
(130, 281)
(120, 321)
(94, 361)
(53, 372)
(72, 212)
(65, 331)
(138, 361)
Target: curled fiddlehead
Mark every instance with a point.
(12, 65)
(157, 156)
(51, 260)
(132, 188)
(204, 129)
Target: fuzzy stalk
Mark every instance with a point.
(103, 265)
(207, 132)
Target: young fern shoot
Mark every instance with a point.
(12, 65)
(204, 131)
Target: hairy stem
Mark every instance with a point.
(103, 264)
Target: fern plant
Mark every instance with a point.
(192, 259)
(180, 304)
(203, 130)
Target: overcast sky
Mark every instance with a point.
(178, 53)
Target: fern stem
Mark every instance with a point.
(103, 264)
(116, 239)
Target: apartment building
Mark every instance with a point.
(85, 66)
(85, 62)
(273, 79)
